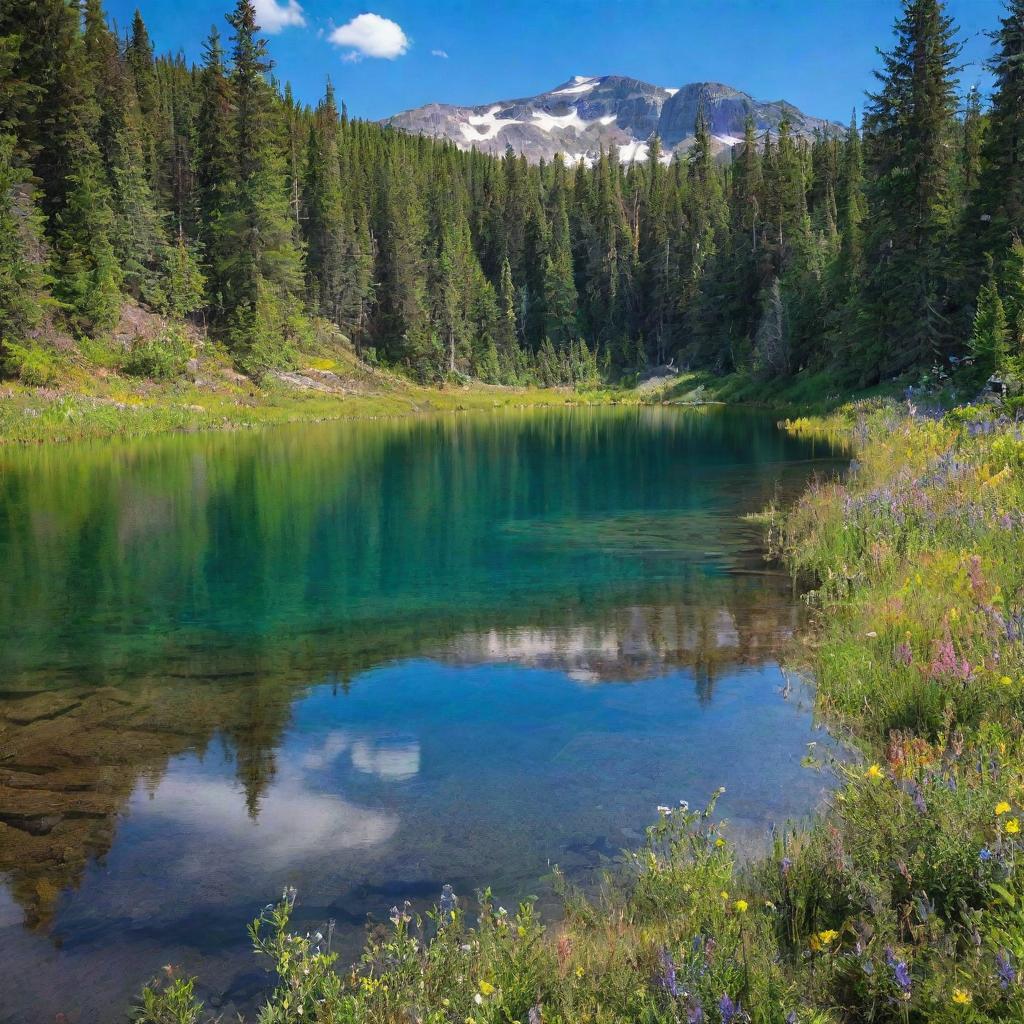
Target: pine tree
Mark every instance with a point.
(560, 300)
(1011, 281)
(989, 335)
(404, 327)
(22, 281)
(138, 233)
(264, 272)
(909, 129)
(852, 209)
(998, 211)
(215, 174)
(325, 224)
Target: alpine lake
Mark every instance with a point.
(366, 659)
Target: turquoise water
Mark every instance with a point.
(367, 659)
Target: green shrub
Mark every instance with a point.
(162, 357)
(30, 363)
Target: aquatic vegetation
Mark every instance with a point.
(903, 903)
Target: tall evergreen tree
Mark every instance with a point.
(909, 129)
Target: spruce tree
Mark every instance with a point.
(215, 174)
(264, 272)
(997, 213)
(989, 334)
(909, 130)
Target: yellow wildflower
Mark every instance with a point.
(828, 936)
(874, 773)
(579, 972)
(961, 996)
(486, 988)
(1002, 808)
(724, 895)
(1012, 827)
(1006, 681)
(740, 906)
(719, 842)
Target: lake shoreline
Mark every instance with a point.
(903, 893)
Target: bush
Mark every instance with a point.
(162, 357)
(31, 364)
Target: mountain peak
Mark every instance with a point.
(587, 113)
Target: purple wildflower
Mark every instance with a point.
(667, 978)
(1005, 969)
(728, 1009)
(900, 971)
(984, 855)
(784, 865)
(904, 654)
(695, 1013)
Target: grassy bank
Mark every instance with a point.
(903, 903)
(124, 408)
(87, 392)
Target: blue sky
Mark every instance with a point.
(818, 54)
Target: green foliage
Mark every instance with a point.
(162, 357)
(30, 363)
(192, 189)
(989, 334)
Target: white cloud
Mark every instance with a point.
(273, 16)
(439, 53)
(370, 35)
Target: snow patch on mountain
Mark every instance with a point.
(546, 122)
(489, 122)
(584, 116)
(582, 85)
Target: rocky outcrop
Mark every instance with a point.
(584, 115)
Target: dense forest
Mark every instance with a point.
(208, 193)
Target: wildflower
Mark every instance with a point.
(740, 906)
(1006, 681)
(719, 842)
(961, 996)
(874, 773)
(1005, 969)
(901, 975)
(784, 865)
(664, 811)
(1012, 827)
(728, 1009)
(667, 978)
(695, 1013)
(486, 988)
(724, 895)
(579, 971)
(1002, 808)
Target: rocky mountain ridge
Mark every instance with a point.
(585, 114)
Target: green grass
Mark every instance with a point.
(90, 401)
(903, 903)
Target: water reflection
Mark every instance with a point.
(368, 659)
